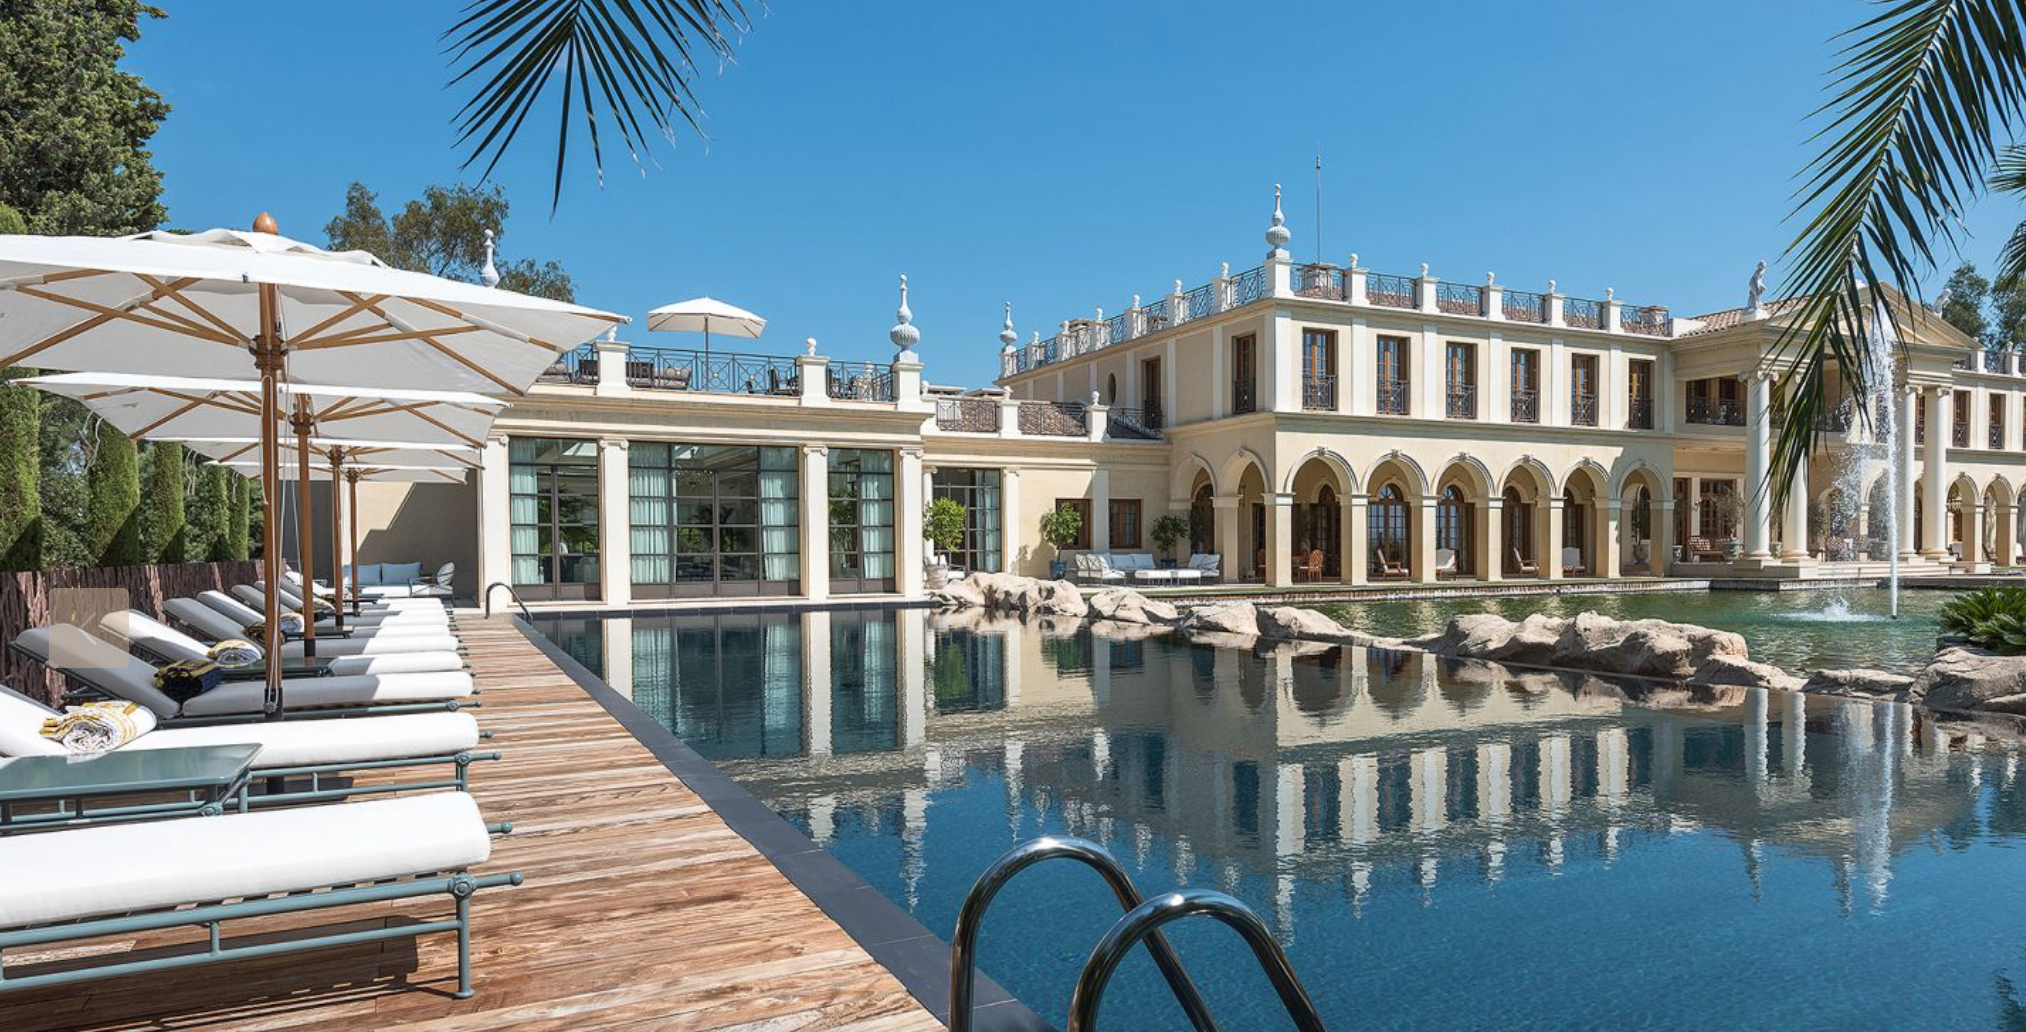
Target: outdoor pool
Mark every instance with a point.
(1800, 630)
(1437, 845)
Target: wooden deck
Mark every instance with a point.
(641, 910)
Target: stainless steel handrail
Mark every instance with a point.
(511, 593)
(1146, 920)
(971, 917)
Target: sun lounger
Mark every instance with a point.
(121, 879)
(142, 633)
(292, 599)
(103, 668)
(249, 603)
(358, 643)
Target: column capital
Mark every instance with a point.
(1280, 498)
(619, 443)
(816, 449)
(499, 439)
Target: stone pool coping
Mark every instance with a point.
(916, 956)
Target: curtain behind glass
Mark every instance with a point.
(780, 522)
(648, 513)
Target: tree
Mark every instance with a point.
(20, 475)
(112, 497)
(1964, 306)
(209, 534)
(162, 512)
(443, 234)
(65, 449)
(641, 54)
(74, 128)
(239, 525)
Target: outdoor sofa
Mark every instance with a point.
(387, 581)
(1139, 567)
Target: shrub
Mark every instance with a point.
(1062, 526)
(20, 472)
(112, 497)
(943, 524)
(1168, 530)
(163, 512)
(1992, 618)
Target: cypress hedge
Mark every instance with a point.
(20, 474)
(112, 498)
(163, 514)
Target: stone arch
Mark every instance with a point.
(1642, 529)
(1347, 475)
(1233, 471)
(1532, 475)
(1639, 474)
(1402, 467)
(1183, 477)
(1588, 474)
(1470, 471)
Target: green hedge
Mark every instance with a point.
(112, 497)
(20, 470)
(163, 515)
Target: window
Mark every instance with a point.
(1681, 534)
(977, 490)
(1526, 385)
(714, 519)
(1111, 388)
(1386, 525)
(1717, 510)
(1392, 376)
(1244, 384)
(1452, 530)
(1959, 429)
(1125, 523)
(1997, 441)
(1319, 370)
(1583, 390)
(1150, 393)
(1714, 402)
(1203, 523)
(1459, 366)
(1639, 394)
(1573, 537)
(552, 486)
(1518, 530)
(861, 520)
(1082, 507)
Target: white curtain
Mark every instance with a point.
(525, 513)
(780, 551)
(648, 513)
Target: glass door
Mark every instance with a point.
(552, 486)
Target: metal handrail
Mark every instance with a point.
(1146, 920)
(511, 593)
(971, 917)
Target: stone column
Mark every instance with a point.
(1356, 561)
(1549, 555)
(1423, 550)
(1973, 529)
(2006, 536)
(1010, 524)
(1099, 534)
(1794, 527)
(1934, 475)
(495, 517)
(615, 522)
(1663, 538)
(1609, 547)
(815, 519)
(1279, 539)
(1758, 464)
(907, 519)
(1903, 424)
(1491, 551)
(1225, 509)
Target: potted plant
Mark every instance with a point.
(1167, 532)
(1061, 527)
(943, 529)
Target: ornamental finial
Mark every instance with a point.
(903, 334)
(1006, 334)
(1277, 235)
(489, 273)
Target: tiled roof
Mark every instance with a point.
(1730, 317)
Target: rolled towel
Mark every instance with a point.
(235, 652)
(98, 727)
(186, 679)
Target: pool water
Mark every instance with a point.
(1437, 845)
(1799, 630)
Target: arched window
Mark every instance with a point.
(1325, 529)
(1518, 530)
(1572, 531)
(1386, 525)
(1202, 523)
(1111, 389)
(1452, 529)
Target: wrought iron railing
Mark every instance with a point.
(1117, 328)
(1966, 360)
(1582, 313)
(1583, 410)
(1198, 303)
(1392, 397)
(1997, 360)
(1318, 280)
(1389, 291)
(1459, 298)
(1053, 419)
(1319, 392)
(1244, 396)
(1460, 401)
(1526, 405)
(1997, 437)
(968, 415)
(1249, 286)
(1523, 306)
(1650, 320)
(853, 381)
(1639, 414)
(1714, 411)
(578, 366)
(1156, 315)
(1959, 435)
(714, 372)
(1134, 424)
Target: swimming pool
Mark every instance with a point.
(1801, 630)
(1437, 847)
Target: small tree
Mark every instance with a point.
(943, 524)
(1167, 532)
(210, 533)
(1062, 527)
(112, 497)
(162, 512)
(20, 469)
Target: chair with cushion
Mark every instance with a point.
(1311, 566)
(1524, 566)
(1209, 565)
(1572, 562)
(1445, 562)
(1387, 568)
(391, 654)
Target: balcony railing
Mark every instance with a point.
(1997, 437)
(1319, 392)
(1997, 360)
(716, 372)
(1639, 414)
(1198, 303)
(1318, 280)
(1392, 397)
(1582, 313)
(1650, 320)
(1249, 286)
(1524, 306)
(1460, 401)
(1959, 435)
(1715, 411)
(968, 415)
(1965, 361)
(1389, 291)
(1053, 419)
(579, 366)
(1526, 405)
(1244, 397)
(1459, 298)
(1583, 409)
(1134, 424)
(860, 382)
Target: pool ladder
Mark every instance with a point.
(512, 594)
(1143, 920)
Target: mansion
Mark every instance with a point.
(1309, 422)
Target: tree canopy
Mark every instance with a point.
(443, 233)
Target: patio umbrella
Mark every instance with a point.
(244, 305)
(705, 314)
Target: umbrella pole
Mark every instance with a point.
(338, 537)
(352, 527)
(267, 358)
(306, 553)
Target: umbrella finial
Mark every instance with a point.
(489, 274)
(264, 223)
(903, 334)
(1006, 334)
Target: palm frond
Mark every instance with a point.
(631, 61)
(1923, 90)
(2008, 176)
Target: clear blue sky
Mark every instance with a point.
(1063, 155)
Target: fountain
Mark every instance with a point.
(1867, 451)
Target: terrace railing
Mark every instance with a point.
(1639, 414)
(1318, 280)
(1459, 298)
(1389, 291)
(578, 366)
(1248, 286)
(1526, 405)
(715, 372)
(1650, 320)
(1582, 313)
(968, 415)
(1959, 435)
(1965, 361)
(853, 381)
(1392, 397)
(1997, 437)
(1523, 306)
(1319, 392)
(1715, 411)
(1053, 419)
(1460, 401)
(1133, 424)
(1583, 410)
(1244, 397)
(1997, 360)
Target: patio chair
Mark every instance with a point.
(120, 879)
(1572, 562)
(1445, 562)
(1700, 550)
(143, 633)
(361, 624)
(1388, 569)
(1209, 563)
(101, 668)
(1523, 565)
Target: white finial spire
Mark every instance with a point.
(1277, 235)
(1424, 270)
(903, 334)
(1354, 260)
(489, 273)
(809, 347)
(1610, 293)
(1006, 334)
(1491, 279)
(1178, 286)
(1551, 286)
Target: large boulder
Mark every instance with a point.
(1231, 618)
(959, 594)
(1468, 635)
(1734, 671)
(1293, 623)
(1029, 596)
(1531, 642)
(1644, 648)
(1967, 678)
(1127, 606)
(1859, 681)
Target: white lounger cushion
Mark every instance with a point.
(393, 654)
(92, 872)
(245, 614)
(290, 590)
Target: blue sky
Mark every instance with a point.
(1064, 155)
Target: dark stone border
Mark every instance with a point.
(919, 958)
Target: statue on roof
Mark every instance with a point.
(1755, 298)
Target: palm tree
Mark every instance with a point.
(640, 55)
(1924, 92)
(2009, 177)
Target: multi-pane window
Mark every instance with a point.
(1639, 394)
(552, 486)
(977, 490)
(1959, 428)
(714, 519)
(1392, 376)
(1082, 507)
(1459, 368)
(1125, 523)
(1714, 402)
(1526, 385)
(1997, 432)
(1319, 370)
(1453, 517)
(861, 520)
(1583, 390)
(1386, 525)
(1244, 374)
(1150, 393)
